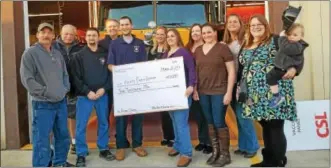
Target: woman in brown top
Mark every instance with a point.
(195, 40)
(216, 76)
(247, 140)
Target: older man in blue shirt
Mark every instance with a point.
(125, 50)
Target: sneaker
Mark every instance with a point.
(276, 101)
(66, 164)
(164, 142)
(107, 155)
(173, 152)
(81, 162)
(208, 149)
(73, 149)
(171, 143)
(200, 147)
(239, 152)
(50, 163)
(249, 155)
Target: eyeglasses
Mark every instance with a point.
(256, 25)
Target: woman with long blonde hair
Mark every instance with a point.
(160, 46)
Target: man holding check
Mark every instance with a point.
(125, 50)
(92, 81)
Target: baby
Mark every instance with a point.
(290, 55)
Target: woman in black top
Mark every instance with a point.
(195, 40)
(159, 47)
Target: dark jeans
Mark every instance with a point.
(167, 128)
(214, 110)
(201, 121)
(274, 138)
(49, 117)
(137, 131)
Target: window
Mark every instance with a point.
(180, 14)
(140, 12)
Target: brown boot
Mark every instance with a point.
(224, 138)
(183, 161)
(140, 151)
(214, 143)
(120, 154)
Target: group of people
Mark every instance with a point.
(66, 79)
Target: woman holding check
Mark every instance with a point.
(182, 144)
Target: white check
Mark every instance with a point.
(152, 86)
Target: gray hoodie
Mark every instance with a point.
(44, 74)
(290, 54)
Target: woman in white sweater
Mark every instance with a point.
(247, 140)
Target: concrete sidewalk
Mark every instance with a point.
(158, 158)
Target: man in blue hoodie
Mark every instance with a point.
(44, 75)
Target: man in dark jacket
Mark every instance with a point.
(92, 82)
(111, 27)
(68, 46)
(44, 75)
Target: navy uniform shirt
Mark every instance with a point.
(120, 52)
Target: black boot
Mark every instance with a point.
(279, 163)
(215, 145)
(284, 162)
(224, 141)
(267, 160)
(50, 163)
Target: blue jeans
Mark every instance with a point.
(214, 109)
(181, 126)
(247, 139)
(49, 117)
(137, 131)
(84, 110)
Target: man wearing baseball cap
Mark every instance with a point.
(44, 75)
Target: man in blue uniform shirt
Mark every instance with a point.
(125, 50)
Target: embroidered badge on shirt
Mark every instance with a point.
(102, 61)
(135, 49)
